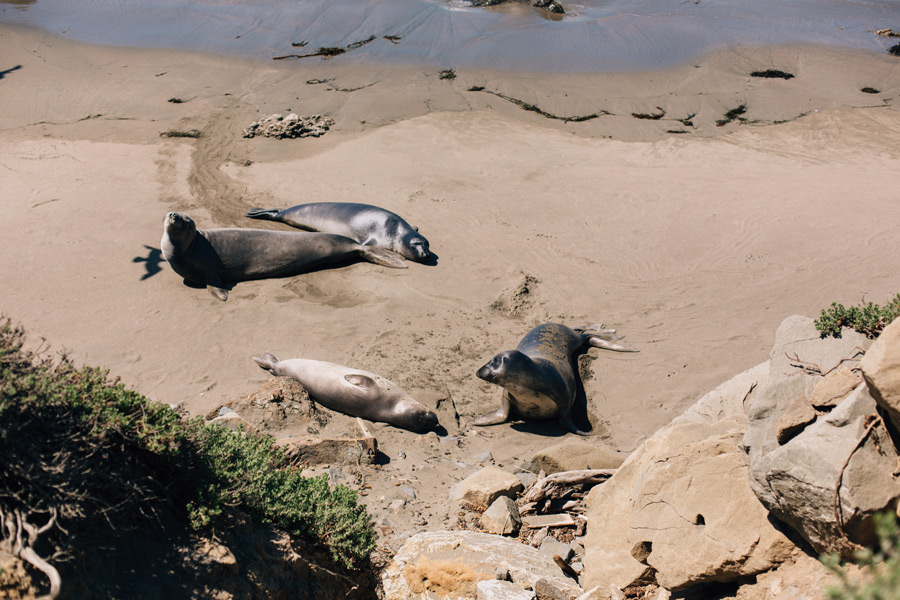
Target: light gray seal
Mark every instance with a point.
(540, 377)
(217, 258)
(369, 225)
(353, 392)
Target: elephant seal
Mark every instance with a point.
(369, 225)
(218, 257)
(539, 378)
(353, 392)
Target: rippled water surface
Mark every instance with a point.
(595, 35)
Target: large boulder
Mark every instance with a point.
(797, 362)
(827, 480)
(679, 511)
(452, 563)
(881, 369)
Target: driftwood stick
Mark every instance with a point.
(556, 485)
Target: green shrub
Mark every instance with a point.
(869, 319)
(91, 459)
(880, 567)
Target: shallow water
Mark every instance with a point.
(594, 36)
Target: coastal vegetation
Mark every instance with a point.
(869, 319)
(879, 566)
(85, 461)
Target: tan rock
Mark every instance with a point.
(794, 419)
(681, 504)
(480, 489)
(800, 578)
(834, 387)
(573, 455)
(449, 564)
(502, 517)
(881, 370)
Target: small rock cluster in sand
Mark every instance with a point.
(290, 126)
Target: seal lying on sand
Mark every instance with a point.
(367, 224)
(539, 377)
(218, 257)
(353, 392)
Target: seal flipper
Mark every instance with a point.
(266, 214)
(383, 257)
(501, 415)
(266, 361)
(602, 341)
(215, 287)
(566, 420)
(360, 380)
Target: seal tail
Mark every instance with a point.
(383, 257)
(266, 214)
(266, 361)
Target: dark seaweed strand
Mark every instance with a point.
(533, 108)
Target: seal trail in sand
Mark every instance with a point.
(369, 225)
(353, 392)
(539, 377)
(219, 257)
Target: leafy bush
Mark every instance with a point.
(880, 567)
(869, 319)
(83, 459)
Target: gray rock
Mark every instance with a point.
(551, 546)
(544, 590)
(526, 478)
(797, 342)
(493, 589)
(881, 370)
(480, 489)
(472, 556)
(798, 482)
(502, 517)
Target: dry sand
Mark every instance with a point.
(695, 245)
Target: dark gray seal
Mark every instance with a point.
(217, 258)
(353, 392)
(369, 225)
(540, 377)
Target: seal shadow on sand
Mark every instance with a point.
(151, 263)
(8, 71)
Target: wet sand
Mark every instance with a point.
(695, 245)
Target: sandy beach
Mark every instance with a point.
(693, 238)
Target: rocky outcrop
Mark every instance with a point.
(827, 480)
(798, 361)
(798, 440)
(881, 369)
(679, 511)
(450, 564)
